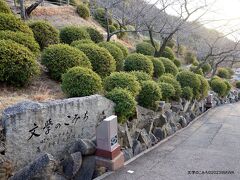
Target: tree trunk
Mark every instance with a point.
(22, 8)
(30, 9)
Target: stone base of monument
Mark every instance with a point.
(109, 154)
(111, 165)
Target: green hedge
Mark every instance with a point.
(223, 73)
(21, 38)
(177, 62)
(17, 64)
(61, 57)
(102, 61)
(83, 11)
(122, 80)
(122, 47)
(187, 93)
(168, 91)
(72, 33)
(125, 103)
(44, 33)
(168, 53)
(145, 49)
(4, 8)
(170, 79)
(159, 68)
(219, 86)
(115, 52)
(80, 81)
(204, 87)
(95, 35)
(141, 76)
(138, 62)
(206, 68)
(11, 23)
(189, 79)
(169, 66)
(79, 42)
(149, 94)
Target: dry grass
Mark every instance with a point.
(40, 89)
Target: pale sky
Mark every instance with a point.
(225, 13)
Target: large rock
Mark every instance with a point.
(153, 139)
(177, 107)
(145, 138)
(145, 117)
(85, 146)
(87, 169)
(137, 147)
(32, 128)
(43, 165)
(168, 129)
(158, 133)
(159, 122)
(183, 121)
(128, 154)
(71, 164)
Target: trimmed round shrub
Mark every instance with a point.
(238, 84)
(194, 69)
(11, 23)
(145, 49)
(177, 62)
(59, 58)
(170, 79)
(71, 33)
(80, 81)
(230, 71)
(187, 93)
(219, 86)
(102, 61)
(159, 68)
(141, 76)
(169, 66)
(79, 42)
(168, 53)
(95, 35)
(4, 8)
(223, 73)
(188, 78)
(121, 35)
(206, 68)
(112, 28)
(116, 54)
(168, 91)
(149, 94)
(44, 33)
(195, 62)
(83, 11)
(122, 47)
(99, 16)
(229, 87)
(17, 63)
(125, 104)
(138, 62)
(204, 87)
(190, 58)
(122, 80)
(21, 38)
(157, 44)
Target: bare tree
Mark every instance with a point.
(26, 12)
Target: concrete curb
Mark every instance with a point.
(161, 142)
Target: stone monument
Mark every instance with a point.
(108, 152)
(32, 128)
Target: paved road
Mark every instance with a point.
(210, 144)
